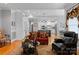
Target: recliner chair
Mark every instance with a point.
(66, 45)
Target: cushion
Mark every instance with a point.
(68, 40)
(69, 34)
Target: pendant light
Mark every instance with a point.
(30, 15)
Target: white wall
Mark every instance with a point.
(19, 25)
(0, 20)
(6, 18)
(58, 14)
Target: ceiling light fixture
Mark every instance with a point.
(30, 15)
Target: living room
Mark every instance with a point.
(40, 23)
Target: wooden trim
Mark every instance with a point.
(69, 10)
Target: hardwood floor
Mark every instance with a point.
(44, 50)
(13, 49)
(16, 48)
(47, 49)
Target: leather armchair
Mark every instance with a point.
(71, 45)
(57, 46)
(66, 45)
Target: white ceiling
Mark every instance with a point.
(24, 6)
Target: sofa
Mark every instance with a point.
(42, 37)
(43, 40)
(47, 31)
